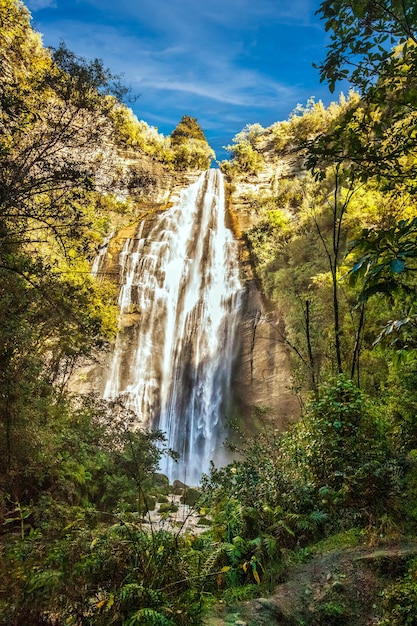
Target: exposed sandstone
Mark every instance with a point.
(262, 376)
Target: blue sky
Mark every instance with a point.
(226, 62)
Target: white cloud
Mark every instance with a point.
(243, 89)
(204, 72)
(208, 60)
(37, 5)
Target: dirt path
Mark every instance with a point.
(341, 586)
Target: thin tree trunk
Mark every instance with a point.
(310, 350)
(357, 347)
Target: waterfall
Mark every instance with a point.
(173, 366)
(101, 256)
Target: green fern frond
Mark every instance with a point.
(271, 546)
(211, 561)
(319, 517)
(131, 590)
(148, 617)
(255, 543)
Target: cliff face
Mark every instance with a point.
(263, 370)
(150, 187)
(262, 376)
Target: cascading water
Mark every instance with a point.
(173, 368)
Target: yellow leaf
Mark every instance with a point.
(101, 604)
(226, 568)
(245, 567)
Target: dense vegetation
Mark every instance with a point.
(185, 149)
(333, 242)
(334, 246)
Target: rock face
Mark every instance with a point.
(262, 377)
(263, 372)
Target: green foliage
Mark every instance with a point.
(117, 573)
(330, 613)
(148, 617)
(332, 470)
(53, 130)
(386, 266)
(134, 133)
(400, 601)
(75, 551)
(303, 226)
(345, 453)
(344, 539)
(251, 133)
(192, 154)
(187, 128)
(77, 481)
(375, 48)
(245, 159)
(305, 123)
(189, 148)
(362, 35)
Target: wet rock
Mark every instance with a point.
(265, 612)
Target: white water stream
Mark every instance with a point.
(173, 368)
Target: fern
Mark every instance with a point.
(256, 543)
(131, 590)
(148, 617)
(319, 517)
(235, 550)
(312, 521)
(271, 546)
(211, 561)
(281, 528)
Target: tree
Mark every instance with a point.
(192, 154)
(50, 151)
(373, 45)
(363, 34)
(187, 128)
(53, 128)
(387, 267)
(190, 149)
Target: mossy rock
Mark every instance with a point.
(190, 496)
(162, 499)
(150, 503)
(161, 483)
(168, 507)
(178, 487)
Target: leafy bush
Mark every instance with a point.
(400, 601)
(332, 470)
(116, 573)
(345, 454)
(245, 159)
